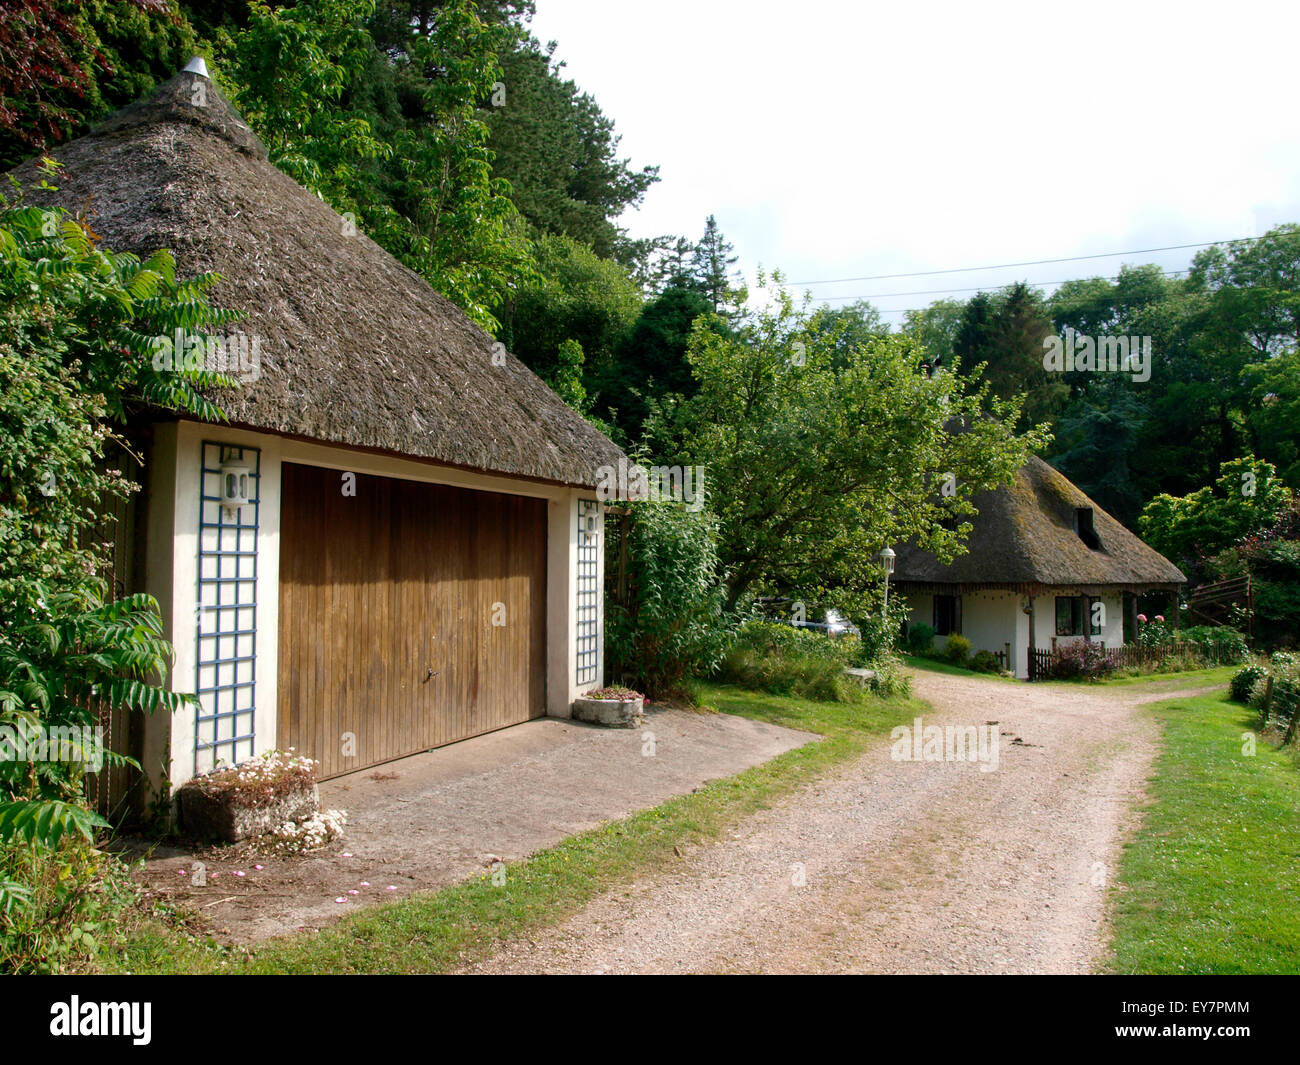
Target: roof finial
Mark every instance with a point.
(197, 66)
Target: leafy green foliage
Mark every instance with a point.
(559, 153)
(784, 660)
(572, 295)
(1244, 680)
(818, 458)
(1246, 498)
(956, 649)
(79, 327)
(919, 638)
(670, 626)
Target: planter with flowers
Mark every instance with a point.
(253, 798)
(615, 707)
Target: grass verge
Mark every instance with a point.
(1207, 885)
(438, 931)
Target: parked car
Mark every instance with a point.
(787, 612)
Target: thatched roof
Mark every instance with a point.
(355, 348)
(1024, 538)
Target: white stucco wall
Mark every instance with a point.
(173, 561)
(992, 618)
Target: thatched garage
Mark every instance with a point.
(1041, 557)
(413, 559)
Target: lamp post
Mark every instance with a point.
(887, 557)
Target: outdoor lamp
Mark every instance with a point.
(887, 557)
(234, 485)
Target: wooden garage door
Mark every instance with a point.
(380, 588)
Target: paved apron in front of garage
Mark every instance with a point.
(442, 816)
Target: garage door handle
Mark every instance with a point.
(430, 675)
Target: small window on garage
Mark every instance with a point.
(947, 614)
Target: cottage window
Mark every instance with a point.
(1074, 615)
(947, 615)
(1084, 529)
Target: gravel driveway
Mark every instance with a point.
(891, 866)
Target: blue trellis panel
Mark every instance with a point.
(226, 613)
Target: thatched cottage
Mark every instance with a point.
(393, 541)
(1044, 564)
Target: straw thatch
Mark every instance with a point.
(1024, 538)
(355, 348)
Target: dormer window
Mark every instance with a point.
(1084, 529)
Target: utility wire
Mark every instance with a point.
(1007, 266)
(1171, 274)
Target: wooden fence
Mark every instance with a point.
(1043, 661)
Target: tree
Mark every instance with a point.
(63, 66)
(650, 360)
(559, 152)
(934, 328)
(1246, 498)
(817, 462)
(1004, 333)
(711, 264)
(572, 294)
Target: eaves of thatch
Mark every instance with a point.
(355, 349)
(1023, 539)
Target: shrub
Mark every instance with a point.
(890, 679)
(1081, 659)
(1284, 669)
(1244, 680)
(768, 656)
(957, 649)
(919, 638)
(986, 662)
(79, 326)
(1217, 643)
(57, 904)
(671, 626)
(1154, 632)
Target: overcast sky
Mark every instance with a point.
(836, 139)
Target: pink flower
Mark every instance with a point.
(239, 872)
(353, 891)
(180, 872)
(347, 854)
(1142, 617)
(259, 868)
(340, 899)
(365, 883)
(1160, 617)
(391, 887)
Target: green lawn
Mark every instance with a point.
(1209, 883)
(936, 665)
(436, 931)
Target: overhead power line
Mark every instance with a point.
(973, 288)
(1030, 262)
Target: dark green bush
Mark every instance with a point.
(957, 649)
(985, 662)
(672, 626)
(1243, 682)
(919, 638)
